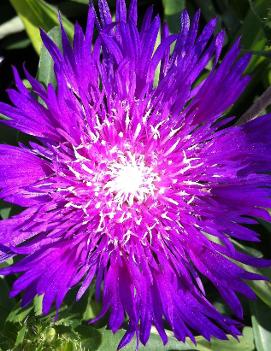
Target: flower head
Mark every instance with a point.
(136, 185)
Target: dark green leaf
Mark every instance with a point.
(17, 41)
(90, 338)
(6, 303)
(265, 20)
(266, 53)
(85, 2)
(253, 35)
(8, 336)
(172, 10)
(207, 8)
(261, 317)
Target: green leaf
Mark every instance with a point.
(46, 72)
(4, 212)
(157, 71)
(21, 335)
(19, 314)
(37, 14)
(12, 26)
(27, 83)
(110, 342)
(261, 288)
(92, 309)
(172, 9)
(261, 317)
(5, 208)
(38, 305)
(245, 343)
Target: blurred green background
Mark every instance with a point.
(20, 20)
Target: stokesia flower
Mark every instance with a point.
(136, 186)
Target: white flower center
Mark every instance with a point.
(130, 179)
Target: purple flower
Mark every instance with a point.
(136, 186)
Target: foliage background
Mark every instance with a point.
(26, 329)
